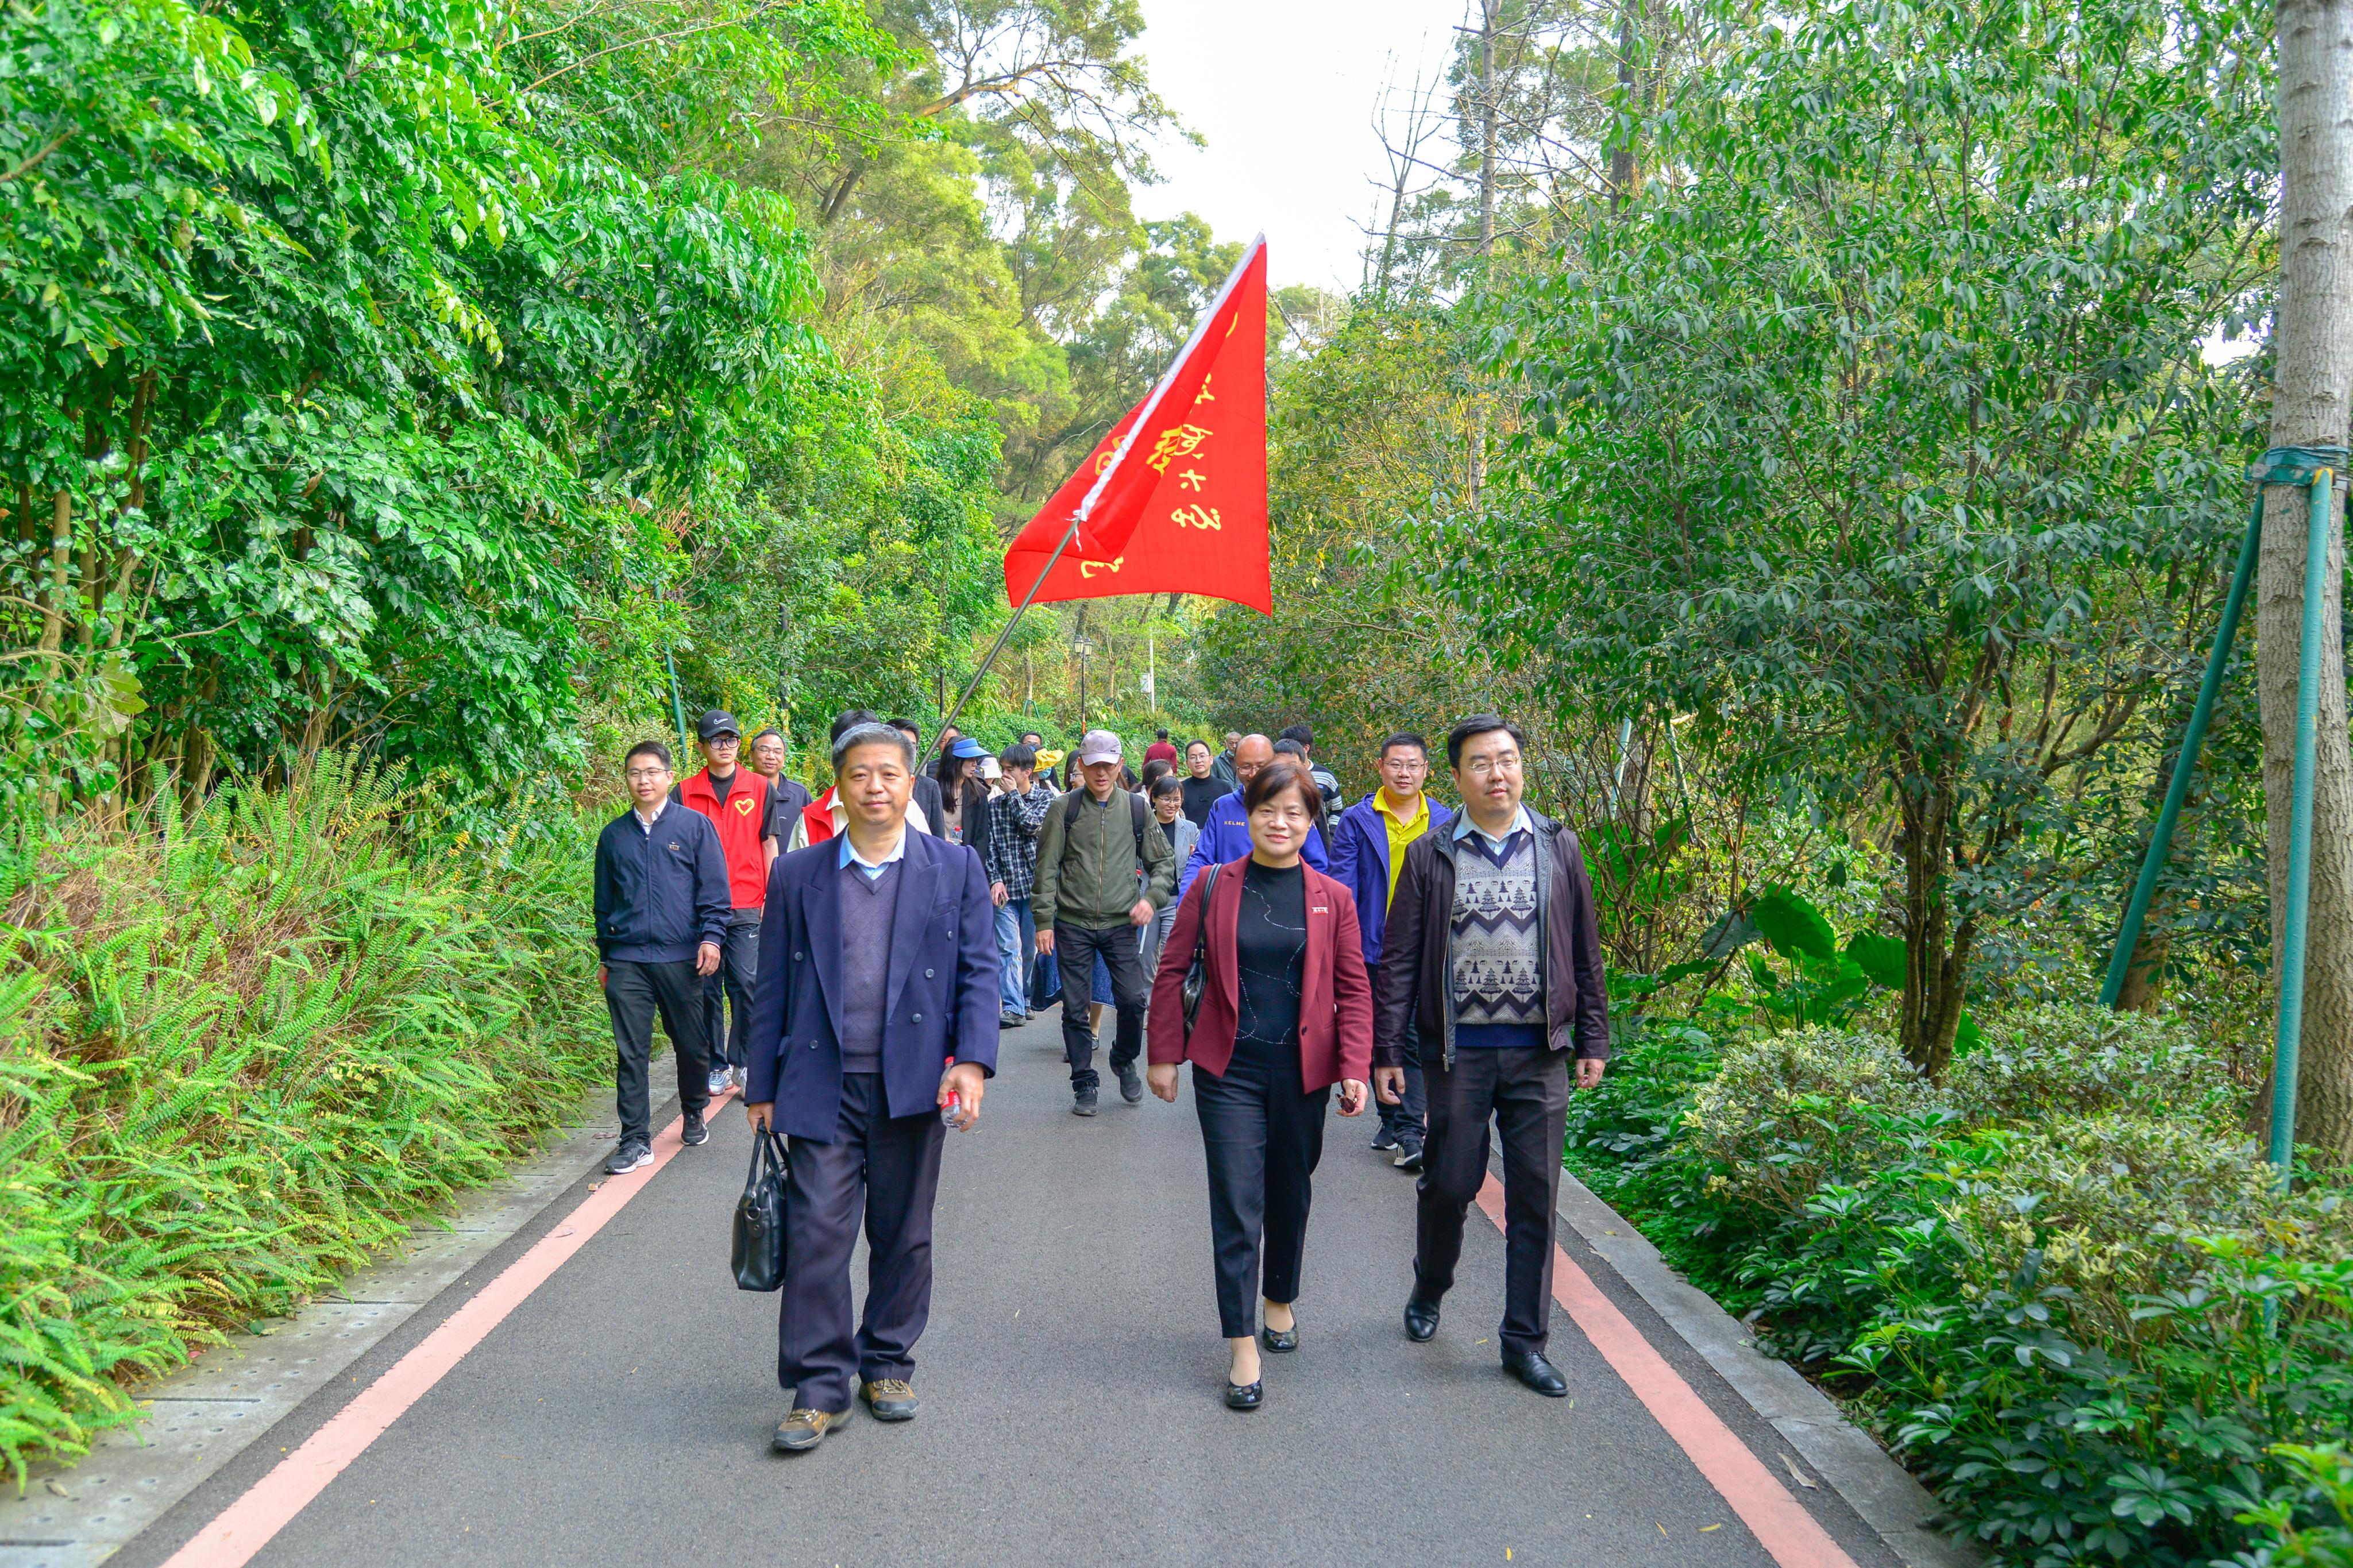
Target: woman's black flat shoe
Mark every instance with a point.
(1241, 1398)
(1281, 1340)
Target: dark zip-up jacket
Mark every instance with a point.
(659, 895)
(1415, 983)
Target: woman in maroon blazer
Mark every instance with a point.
(1286, 1013)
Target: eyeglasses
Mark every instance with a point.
(720, 742)
(648, 775)
(1487, 767)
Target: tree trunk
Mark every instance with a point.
(1491, 18)
(1621, 157)
(2312, 344)
(53, 605)
(1937, 956)
(2144, 972)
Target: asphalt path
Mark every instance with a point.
(1071, 1381)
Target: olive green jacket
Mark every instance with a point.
(1088, 857)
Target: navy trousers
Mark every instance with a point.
(883, 1170)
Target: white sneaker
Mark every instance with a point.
(719, 1080)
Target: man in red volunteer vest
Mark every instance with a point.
(736, 799)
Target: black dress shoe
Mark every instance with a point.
(1280, 1340)
(1241, 1398)
(1420, 1319)
(1530, 1368)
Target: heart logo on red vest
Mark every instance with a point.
(742, 805)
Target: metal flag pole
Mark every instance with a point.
(1103, 476)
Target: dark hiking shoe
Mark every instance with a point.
(1408, 1160)
(1385, 1139)
(891, 1399)
(1083, 1102)
(694, 1131)
(1130, 1082)
(805, 1429)
(630, 1156)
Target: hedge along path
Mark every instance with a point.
(241, 1049)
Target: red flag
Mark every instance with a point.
(1174, 498)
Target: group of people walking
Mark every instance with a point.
(1441, 967)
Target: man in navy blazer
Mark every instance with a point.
(877, 1015)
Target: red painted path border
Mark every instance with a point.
(249, 1523)
(1780, 1523)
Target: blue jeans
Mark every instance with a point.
(1017, 939)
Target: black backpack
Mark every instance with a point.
(1139, 818)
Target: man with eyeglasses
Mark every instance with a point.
(1368, 849)
(736, 801)
(1493, 956)
(662, 908)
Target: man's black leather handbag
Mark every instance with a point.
(1197, 978)
(759, 1250)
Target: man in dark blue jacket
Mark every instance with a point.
(1368, 846)
(661, 914)
(1225, 838)
(884, 969)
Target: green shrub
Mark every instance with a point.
(2062, 1281)
(2071, 1060)
(2114, 1208)
(1799, 1092)
(238, 1052)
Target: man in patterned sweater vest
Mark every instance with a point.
(1495, 952)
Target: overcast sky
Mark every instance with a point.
(1285, 91)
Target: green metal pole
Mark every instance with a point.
(2299, 834)
(2160, 843)
(677, 710)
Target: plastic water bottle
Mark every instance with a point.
(948, 1112)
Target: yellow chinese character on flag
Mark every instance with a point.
(1204, 518)
(1182, 442)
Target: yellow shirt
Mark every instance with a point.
(1402, 831)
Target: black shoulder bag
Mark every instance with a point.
(1197, 978)
(759, 1244)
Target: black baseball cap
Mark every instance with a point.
(716, 723)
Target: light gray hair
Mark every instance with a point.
(873, 734)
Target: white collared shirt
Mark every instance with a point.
(645, 823)
(1464, 828)
(873, 868)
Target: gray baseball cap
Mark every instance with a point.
(1099, 746)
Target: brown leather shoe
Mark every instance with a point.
(891, 1399)
(805, 1429)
